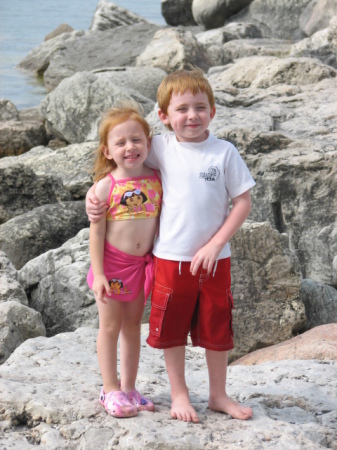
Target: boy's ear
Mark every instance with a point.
(163, 117)
(106, 153)
(213, 111)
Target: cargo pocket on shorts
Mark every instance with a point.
(159, 298)
(231, 307)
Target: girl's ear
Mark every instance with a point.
(106, 152)
(163, 117)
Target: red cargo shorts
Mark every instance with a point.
(183, 303)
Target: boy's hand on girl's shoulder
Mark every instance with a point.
(95, 209)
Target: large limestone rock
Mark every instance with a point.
(177, 12)
(22, 190)
(57, 286)
(10, 288)
(320, 303)
(284, 129)
(321, 45)
(265, 286)
(319, 343)
(84, 97)
(214, 13)
(294, 402)
(18, 137)
(79, 51)
(51, 175)
(174, 49)
(275, 18)
(316, 15)
(17, 324)
(45, 227)
(109, 15)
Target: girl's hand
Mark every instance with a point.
(101, 287)
(94, 208)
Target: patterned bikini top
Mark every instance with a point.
(134, 198)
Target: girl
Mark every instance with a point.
(120, 251)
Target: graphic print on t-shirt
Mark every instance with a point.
(212, 174)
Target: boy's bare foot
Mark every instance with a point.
(182, 409)
(229, 406)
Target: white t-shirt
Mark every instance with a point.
(198, 181)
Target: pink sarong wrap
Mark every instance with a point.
(126, 274)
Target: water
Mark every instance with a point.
(24, 25)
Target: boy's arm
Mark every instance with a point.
(93, 207)
(208, 254)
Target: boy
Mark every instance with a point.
(192, 287)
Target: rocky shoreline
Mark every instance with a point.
(272, 66)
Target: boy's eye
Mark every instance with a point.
(201, 108)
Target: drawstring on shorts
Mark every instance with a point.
(215, 266)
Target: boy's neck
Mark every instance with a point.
(201, 138)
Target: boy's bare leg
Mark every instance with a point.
(218, 399)
(181, 407)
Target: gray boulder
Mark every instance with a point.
(49, 226)
(174, 49)
(22, 190)
(10, 288)
(294, 402)
(316, 16)
(109, 15)
(276, 18)
(79, 51)
(320, 303)
(51, 176)
(177, 12)
(321, 45)
(63, 28)
(18, 137)
(57, 286)
(8, 110)
(84, 97)
(214, 13)
(17, 324)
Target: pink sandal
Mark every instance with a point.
(140, 402)
(117, 404)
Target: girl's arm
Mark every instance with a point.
(96, 244)
(208, 254)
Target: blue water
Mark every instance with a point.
(24, 25)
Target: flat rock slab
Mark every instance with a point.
(49, 398)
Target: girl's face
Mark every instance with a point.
(127, 145)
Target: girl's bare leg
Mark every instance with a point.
(218, 398)
(181, 407)
(110, 321)
(130, 341)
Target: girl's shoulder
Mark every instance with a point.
(103, 187)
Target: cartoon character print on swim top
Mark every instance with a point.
(135, 198)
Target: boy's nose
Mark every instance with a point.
(192, 113)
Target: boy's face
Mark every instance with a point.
(189, 116)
